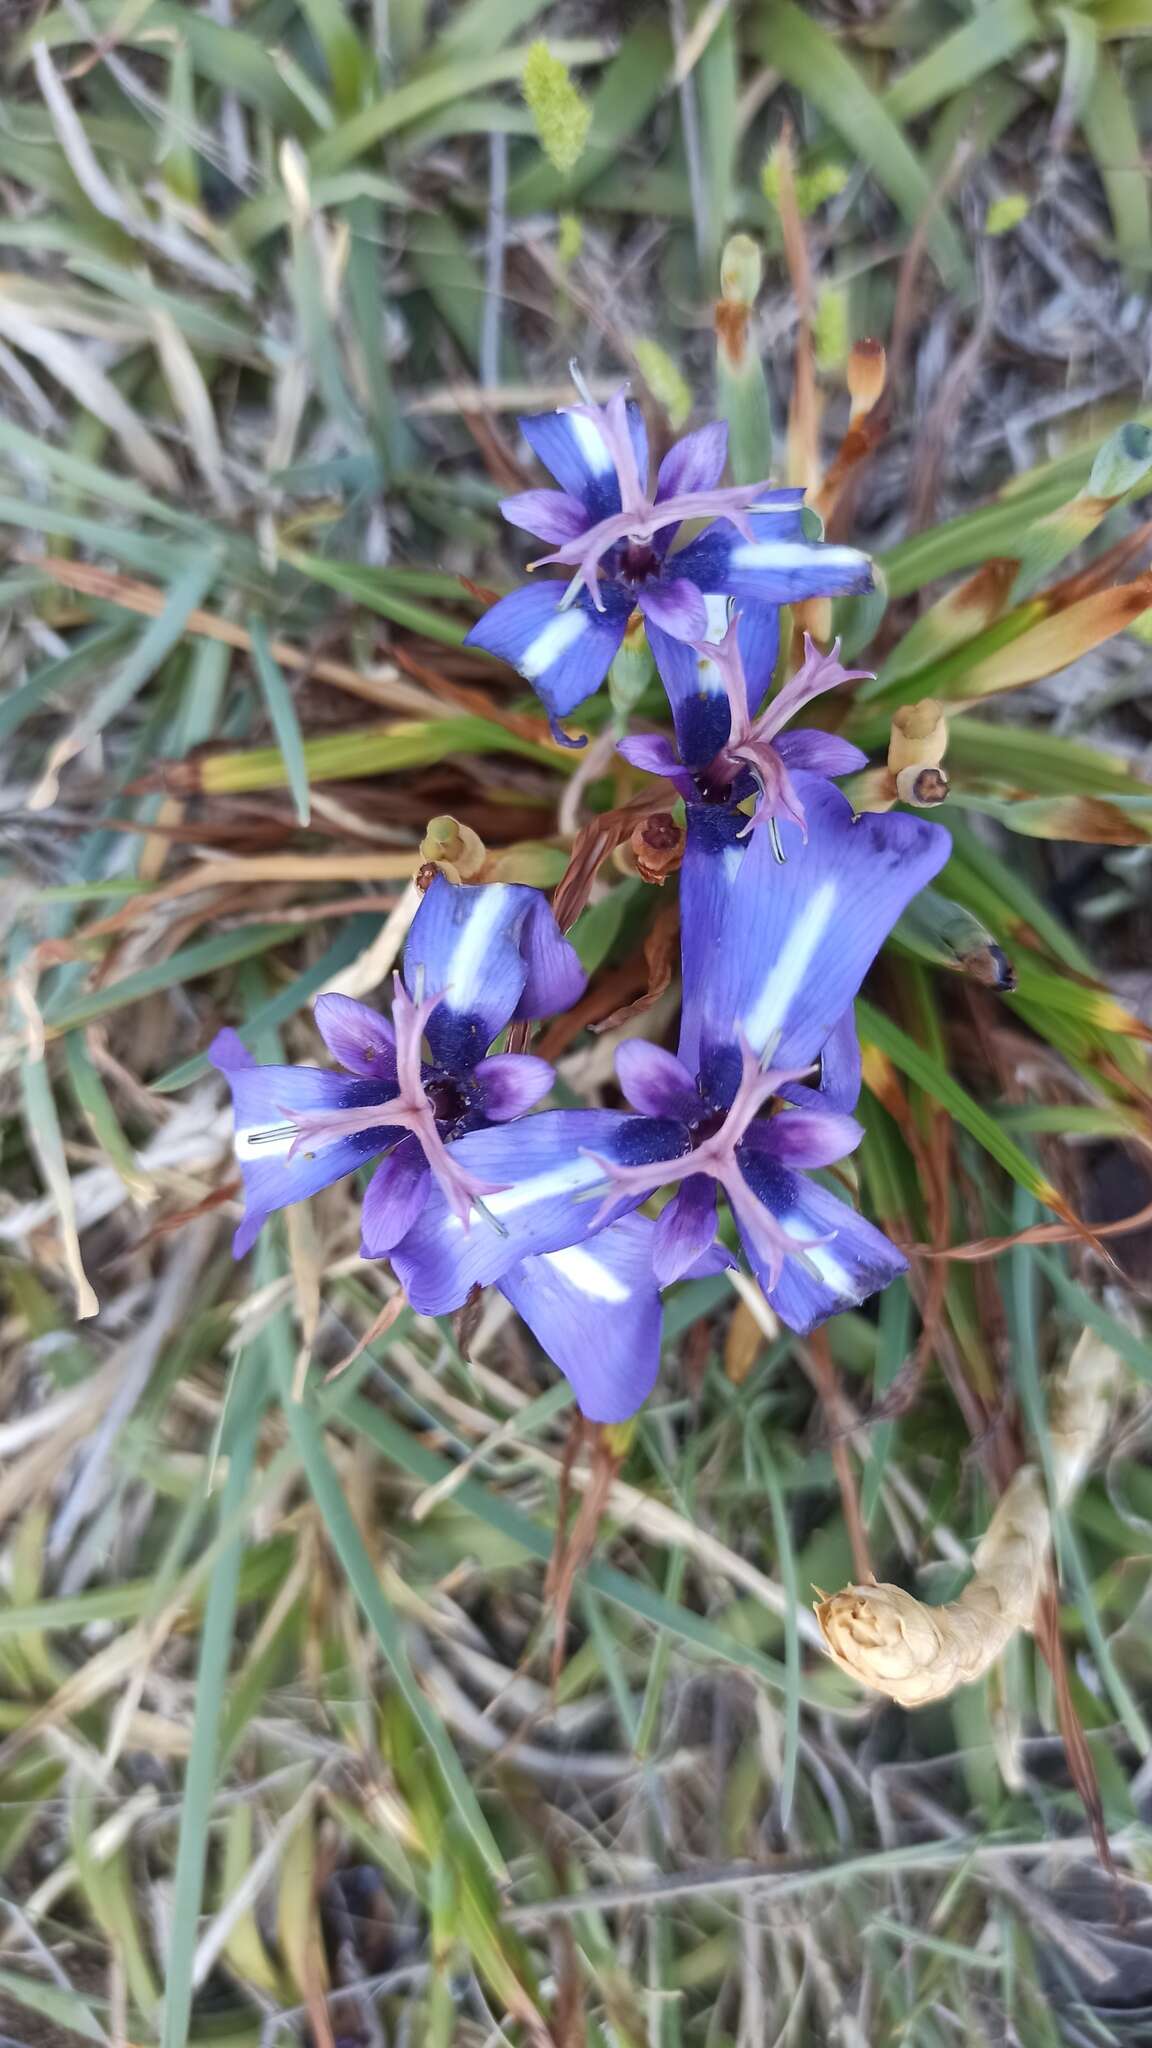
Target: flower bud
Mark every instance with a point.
(741, 271)
(632, 668)
(865, 376)
(455, 849)
(1125, 457)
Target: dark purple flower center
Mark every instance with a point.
(453, 1103)
(637, 561)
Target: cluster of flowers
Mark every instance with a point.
(786, 896)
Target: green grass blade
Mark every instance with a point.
(920, 1066)
(364, 1580)
(242, 1427)
(992, 37)
(1112, 135)
(281, 710)
(445, 86)
(815, 65)
(188, 964)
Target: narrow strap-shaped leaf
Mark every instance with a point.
(813, 62)
(285, 724)
(920, 1066)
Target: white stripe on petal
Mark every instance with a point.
(465, 969)
(590, 442)
(587, 1274)
(272, 1141)
(820, 1256)
(790, 554)
(767, 1014)
(577, 1173)
(718, 609)
(558, 636)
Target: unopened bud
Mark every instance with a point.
(1125, 457)
(657, 845)
(919, 736)
(865, 376)
(454, 848)
(923, 787)
(632, 668)
(741, 271)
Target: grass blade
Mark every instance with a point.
(285, 724)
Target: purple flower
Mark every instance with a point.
(788, 947)
(562, 635)
(741, 751)
(488, 954)
(475, 958)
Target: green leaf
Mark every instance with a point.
(923, 1068)
(1112, 135)
(52, 2002)
(364, 1579)
(374, 588)
(282, 712)
(187, 964)
(992, 36)
(239, 1435)
(442, 87)
(185, 595)
(351, 939)
(813, 62)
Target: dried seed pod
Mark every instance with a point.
(922, 786)
(919, 736)
(915, 751)
(657, 845)
(890, 1641)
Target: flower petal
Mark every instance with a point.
(393, 1199)
(595, 1309)
(553, 976)
(777, 565)
(263, 1100)
(694, 463)
(676, 607)
(361, 1039)
(564, 653)
(714, 853)
(548, 1180)
(696, 690)
(759, 640)
(685, 1229)
(492, 951)
(840, 1071)
(818, 673)
(462, 947)
(512, 1083)
(655, 754)
(806, 1137)
(705, 559)
(819, 753)
(571, 446)
(550, 515)
(856, 1260)
(655, 1082)
(800, 935)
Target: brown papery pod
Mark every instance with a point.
(897, 1645)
